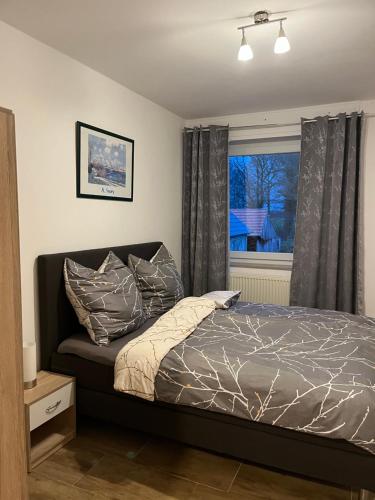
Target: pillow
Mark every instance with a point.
(224, 299)
(158, 280)
(107, 301)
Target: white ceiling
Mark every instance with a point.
(182, 54)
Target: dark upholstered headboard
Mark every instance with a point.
(56, 316)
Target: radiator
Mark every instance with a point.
(264, 289)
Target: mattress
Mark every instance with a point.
(81, 345)
(92, 365)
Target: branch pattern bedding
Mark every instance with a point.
(303, 369)
(138, 362)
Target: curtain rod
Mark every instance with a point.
(273, 125)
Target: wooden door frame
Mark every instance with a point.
(13, 482)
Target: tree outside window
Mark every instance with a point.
(263, 198)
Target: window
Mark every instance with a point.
(263, 198)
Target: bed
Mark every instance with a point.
(328, 459)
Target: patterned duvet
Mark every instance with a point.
(302, 369)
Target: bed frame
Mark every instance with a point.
(316, 457)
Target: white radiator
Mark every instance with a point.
(264, 289)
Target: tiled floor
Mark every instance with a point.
(107, 462)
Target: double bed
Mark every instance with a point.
(65, 348)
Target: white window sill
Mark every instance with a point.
(262, 260)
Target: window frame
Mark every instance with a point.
(266, 142)
(262, 260)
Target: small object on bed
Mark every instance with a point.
(158, 280)
(107, 301)
(224, 299)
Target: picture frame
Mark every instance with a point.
(104, 164)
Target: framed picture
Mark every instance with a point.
(105, 164)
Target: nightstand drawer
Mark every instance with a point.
(51, 405)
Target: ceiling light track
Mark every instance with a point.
(261, 18)
(260, 23)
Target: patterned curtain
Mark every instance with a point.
(205, 210)
(327, 264)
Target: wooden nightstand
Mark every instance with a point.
(50, 416)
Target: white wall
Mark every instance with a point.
(369, 211)
(292, 116)
(48, 93)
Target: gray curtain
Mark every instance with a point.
(205, 210)
(327, 264)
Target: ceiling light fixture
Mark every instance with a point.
(245, 53)
(282, 44)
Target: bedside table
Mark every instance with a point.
(50, 416)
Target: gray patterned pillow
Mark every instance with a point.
(158, 280)
(107, 301)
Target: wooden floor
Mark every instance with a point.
(107, 462)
